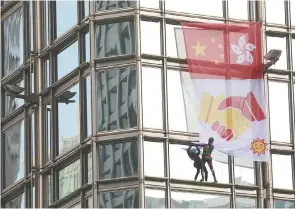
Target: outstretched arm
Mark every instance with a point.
(198, 150)
(269, 64)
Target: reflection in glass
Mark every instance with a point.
(155, 198)
(10, 103)
(86, 8)
(33, 138)
(108, 5)
(89, 202)
(46, 22)
(69, 123)
(278, 43)
(66, 16)
(293, 45)
(117, 100)
(202, 7)
(244, 172)
(238, 9)
(69, 179)
(89, 167)
(119, 199)
(64, 66)
(279, 111)
(48, 132)
(48, 190)
(114, 39)
(31, 25)
(88, 106)
(198, 200)
(17, 202)
(87, 47)
(150, 31)
(245, 202)
(176, 110)
(284, 204)
(149, 3)
(172, 45)
(275, 11)
(292, 3)
(47, 73)
(153, 152)
(118, 160)
(282, 171)
(14, 153)
(12, 42)
(181, 166)
(152, 98)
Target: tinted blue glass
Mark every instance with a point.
(66, 16)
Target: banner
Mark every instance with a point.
(224, 90)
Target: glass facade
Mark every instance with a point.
(109, 129)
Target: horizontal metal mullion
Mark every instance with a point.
(116, 139)
(9, 8)
(13, 118)
(113, 18)
(117, 187)
(178, 17)
(108, 60)
(11, 193)
(17, 74)
(200, 190)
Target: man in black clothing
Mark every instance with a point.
(195, 156)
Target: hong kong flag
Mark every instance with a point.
(226, 72)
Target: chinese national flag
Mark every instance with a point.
(223, 51)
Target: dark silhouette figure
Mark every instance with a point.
(206, 156)
(195, 156)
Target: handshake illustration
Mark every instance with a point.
(230, 117)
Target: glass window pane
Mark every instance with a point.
(48, 190)
(150, 31)
(245, 202)
(275, 11)
(278, 43)
(33, 138)
(89, 167)
(155, 198)
(117, 100)
(293, 48)
(69, 179)
(118, 160)
(282, 171)
(86, 7)
(68, 121)
(149, 3)
(63, 65)
(152, 98)
(154, 152)
(13, 42)
(279, 111)
(88, 106)
(31, 25)
(284, 204)
(244, 172)
(198, 200)
(10, 103)
(292, 13)
(66, 16)
(114, 39)
(87, 47)
(182, 105)
(17, 202)
(238, 9)
(48, 132)
(47, 74)
(171, 44)
(14, 153)
(89, 202)
(119, 199)
(203, 7)
(47, 22)
(182, 167)
(101, 5)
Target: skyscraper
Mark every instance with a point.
(109, 127)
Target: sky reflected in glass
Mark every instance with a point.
(66, 16)
(155, 198)
(238, 9)
(152, 98)
(278, 43)
(279, 111)
(154, 152)
(150, 3)
(282, 171)
(275, 11)
(150, 31)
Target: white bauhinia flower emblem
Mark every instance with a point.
(243, 49)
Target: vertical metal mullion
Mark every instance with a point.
(25, 30)
(231, 171)
(225, 11)
(139, 106)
